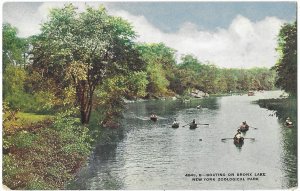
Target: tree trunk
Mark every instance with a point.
(85, 99)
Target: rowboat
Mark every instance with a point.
(250, 93)
(193, 126)
(288, 125)
(288, 122)
(244, 128)
(175, 125)
(238, 141)
(153, 118)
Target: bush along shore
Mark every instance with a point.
(44, 154)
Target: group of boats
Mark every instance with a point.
(238, 139)
(192, 125)
(175, 124)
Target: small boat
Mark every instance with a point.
(193, 126)
(175, 125)
(288, 125)
(244, 128)
(238, 141)
(199, 107)
(250, 93)
(153, 118)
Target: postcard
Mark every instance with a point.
(135, 95)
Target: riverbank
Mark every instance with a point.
(43, 153)
(183, 97)
(283, 107)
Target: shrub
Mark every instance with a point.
(46, 158)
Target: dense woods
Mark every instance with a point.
(90, 60)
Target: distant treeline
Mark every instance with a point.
(165, 76)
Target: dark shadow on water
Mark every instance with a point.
(238, 145)
(283, 108)
(103, 155)
(162, 107)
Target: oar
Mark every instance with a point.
(233, 138)
(197, 124)
(226, 139)
(253, 127)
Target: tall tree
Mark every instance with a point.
(83, 49)
(286, 66)
(160, 61)
(14, 48)
(189, 73)
(14, 54)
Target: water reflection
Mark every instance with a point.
(283, 109)
(238, 145)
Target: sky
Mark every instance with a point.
(227, 34)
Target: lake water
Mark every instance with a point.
(152, 155)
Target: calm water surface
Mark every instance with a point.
(152, 155)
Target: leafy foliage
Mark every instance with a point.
(82, 50)
(45, 158)
(192, 74)
(13, 80)
(136, 83)
(286, 66)
(14, 49)
(160, 65)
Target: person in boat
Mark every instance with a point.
(153, 117)
(244, 123)
(193, 125)
(288, 121)
(175, 122)
(238, 135)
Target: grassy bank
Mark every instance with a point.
(283, 108)
(42, 152)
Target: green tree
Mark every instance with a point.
(14, 48)
(14, 54)
(136, 84)
(160, 61)
(82, 50)
(158, 82)
(286, 66)
(230, 79)
(189, 74)
(190, 62)
(208, 78)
